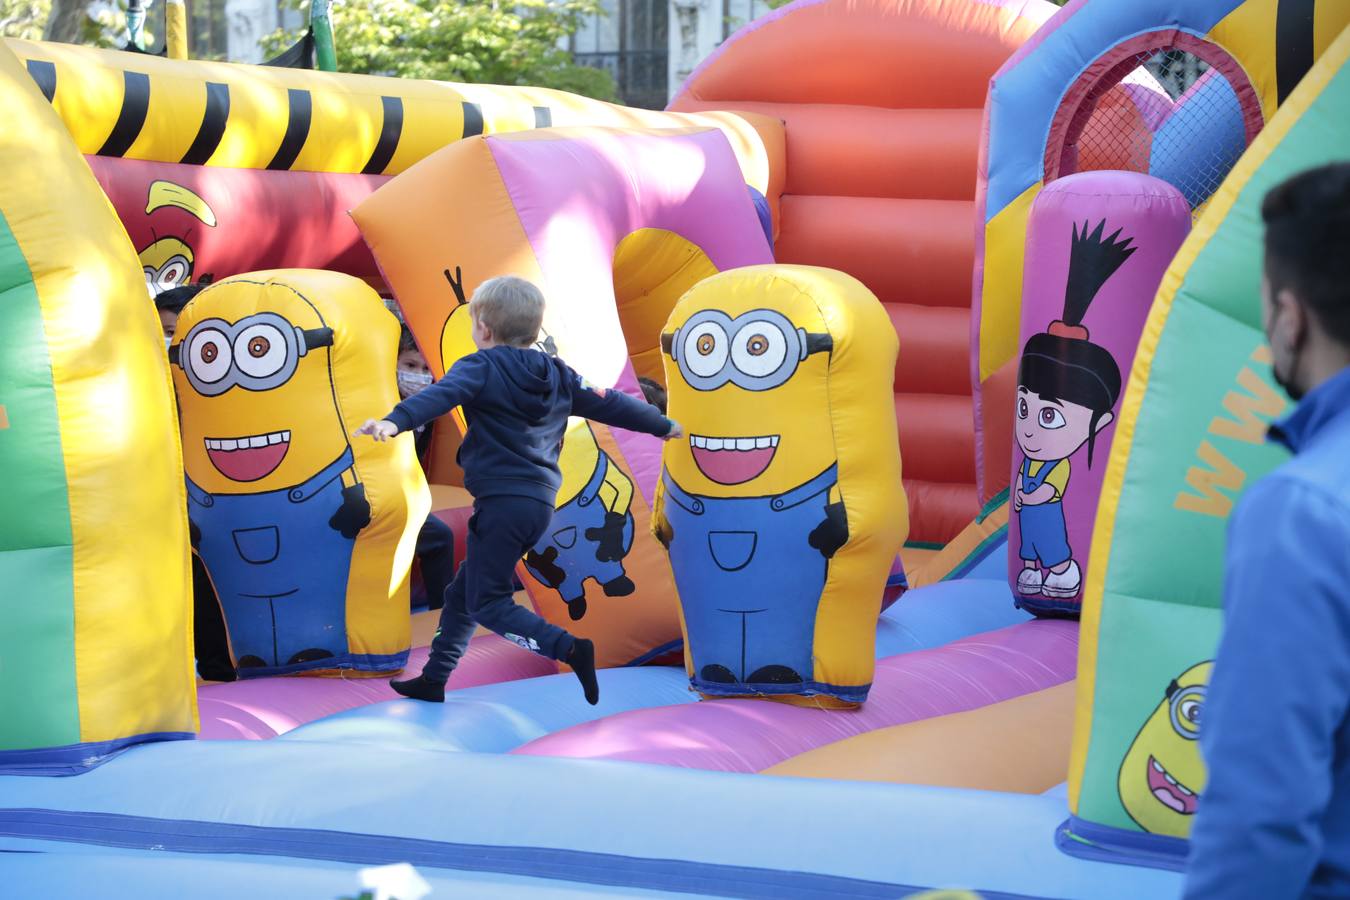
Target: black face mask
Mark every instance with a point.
(1294, 391)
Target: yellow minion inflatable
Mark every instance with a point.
(307, 541)
(782, 509)
(1163, 774)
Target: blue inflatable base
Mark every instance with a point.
(627, 826)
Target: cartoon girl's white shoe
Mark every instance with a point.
(1065, 585)
(1029, 582)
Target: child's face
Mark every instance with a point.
(1051, 429)
(413, 373)
(168, 320)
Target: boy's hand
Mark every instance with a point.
(1017, 501)
(675, 432)
(379, 429)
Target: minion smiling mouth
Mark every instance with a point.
(248, 458)
(732, 460)
(1168, 791)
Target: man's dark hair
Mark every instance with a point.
(655, 394)
(1308, 243)
(174, 299)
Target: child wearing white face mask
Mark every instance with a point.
(435, 549)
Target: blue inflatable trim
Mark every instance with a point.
(849, 694)
(362, 662)
(186, 836)
(659, 652)
(74, 759)
(1101, 843)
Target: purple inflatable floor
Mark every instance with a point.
(266, 707)
(751, 735)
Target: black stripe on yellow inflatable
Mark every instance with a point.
(212, 128)
(297, 128)
(473, 119)
(1293, 43)
(44, 73)
(131, 118)
(390, 132)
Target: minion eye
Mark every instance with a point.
(175, 271)
(705, 349)
(1187, 706)
(260, 350)
(759, 349)
(209, 356)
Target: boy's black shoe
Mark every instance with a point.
(419, 689)
(582, 661)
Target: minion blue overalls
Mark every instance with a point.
(750, 583)
(578, 554)
(280, 571)
(1045, 537)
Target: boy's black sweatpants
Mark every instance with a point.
(501, 529)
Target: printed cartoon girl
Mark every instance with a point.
(1067, 389)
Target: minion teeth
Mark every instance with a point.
(248, 458)
(733, 460)
(1168, 791)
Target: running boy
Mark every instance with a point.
(516, 401)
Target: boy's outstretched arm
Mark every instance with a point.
(618, 409)
(460, 385)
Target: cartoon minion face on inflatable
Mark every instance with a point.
(256, 372)
(739, 371)
(169, 261)
(749, 505)
(272, 486)
(1162, 774)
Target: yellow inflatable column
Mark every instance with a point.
(95, 648)
(308, 537)
(782, 507)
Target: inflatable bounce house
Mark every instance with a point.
(986, 341)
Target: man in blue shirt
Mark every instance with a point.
(1274, 821)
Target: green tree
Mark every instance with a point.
(24, 18)
(482, 41)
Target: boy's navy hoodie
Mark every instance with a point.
(517, 401)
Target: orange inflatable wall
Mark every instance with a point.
(882, 101)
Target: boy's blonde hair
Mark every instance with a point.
(512, 307)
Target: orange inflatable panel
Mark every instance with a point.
(897, 54)
(905, 251)
(916, 153)
(936, 340)
(939, 436)
(1018, 746)
(882, 109)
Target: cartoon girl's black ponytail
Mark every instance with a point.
(1061, 362)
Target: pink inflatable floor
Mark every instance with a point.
(266, 707)
(751, 735)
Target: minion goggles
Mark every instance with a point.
(257, 353)
(756, 351)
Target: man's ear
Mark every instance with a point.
(1290, 327)
(1106, 419)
